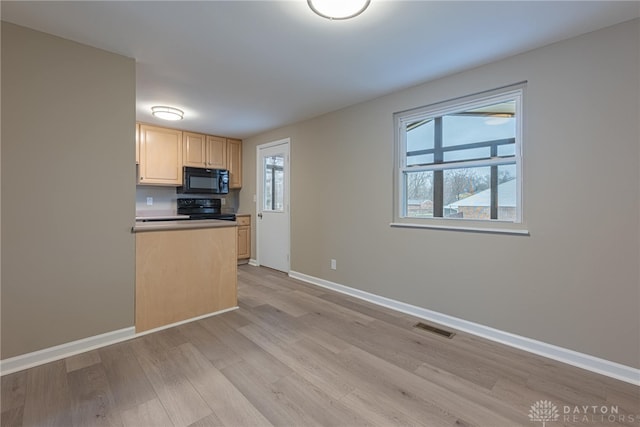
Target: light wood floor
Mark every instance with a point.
(297, 355)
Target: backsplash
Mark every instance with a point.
(164, 198)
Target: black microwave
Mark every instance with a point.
(204, 181)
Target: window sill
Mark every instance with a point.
(513, 231)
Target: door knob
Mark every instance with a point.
(260, 215)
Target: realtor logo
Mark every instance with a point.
(543, 411)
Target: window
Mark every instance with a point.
(273, 183)
(461, 159)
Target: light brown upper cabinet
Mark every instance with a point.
(162, 152)
(204, 151)
(216, 152)
(234, 162)
(194, 149)
(160, 156)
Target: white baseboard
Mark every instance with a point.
(254, 263)
(51, 354)
(182, 322)
(571, 357)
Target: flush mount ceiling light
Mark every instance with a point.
(167, 113)
(338, 9)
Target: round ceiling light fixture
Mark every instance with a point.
(167, 113)
(338, 9)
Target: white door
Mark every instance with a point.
(273, 205)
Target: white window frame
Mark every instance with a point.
(403, 118)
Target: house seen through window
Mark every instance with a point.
(462, 160)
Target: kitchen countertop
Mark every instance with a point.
(180, 225)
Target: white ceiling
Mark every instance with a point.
(241, 67)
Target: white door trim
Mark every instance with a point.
(287, 187)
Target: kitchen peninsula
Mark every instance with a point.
(184, 270)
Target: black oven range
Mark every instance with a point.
(203, 209)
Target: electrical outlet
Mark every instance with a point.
(333, 264)
(223, 201)
(149, 201)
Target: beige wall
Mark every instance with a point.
(68, 191)
(574, 282)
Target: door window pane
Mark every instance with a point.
(273, 192)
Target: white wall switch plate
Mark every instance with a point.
(149, 201)
(333, 264)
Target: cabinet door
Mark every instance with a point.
(234, 162)
(244, 236)
(216, 152)
(244, 242)
(194, 149)
(160, 156)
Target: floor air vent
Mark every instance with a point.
(434, 329)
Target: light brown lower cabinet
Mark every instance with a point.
(244, 238)
(182, 274)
